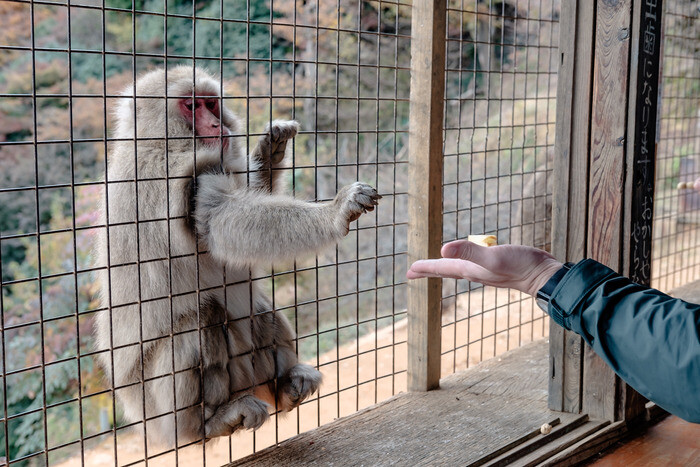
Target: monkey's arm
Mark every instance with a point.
(241, 226)
(269, 153)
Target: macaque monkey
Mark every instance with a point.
(189, 341)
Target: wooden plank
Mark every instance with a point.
(520, 443)
(569, 439)
(473, 413)
(607, 169)
(425, 189)
(570, 200)
(586, 448)
(560, 190)
(533, 443)
(608, 126)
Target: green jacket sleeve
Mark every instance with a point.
(651, 340)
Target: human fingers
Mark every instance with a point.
(696, 185)
(445, 268)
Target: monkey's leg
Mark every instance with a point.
(200, 345)
(295, 381)
(269, 153)
(188, 389)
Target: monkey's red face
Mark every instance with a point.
(203, 115)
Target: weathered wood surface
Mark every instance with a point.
(570, 199)
(608, 126)
(607, 170)
(606, 437)
(473, 413)
(425, 167)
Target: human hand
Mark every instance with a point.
(696, 185)
(514, 266)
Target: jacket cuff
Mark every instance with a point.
(574, 287)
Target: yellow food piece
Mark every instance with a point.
(483, 240)
(685, 185)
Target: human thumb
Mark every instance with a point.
(461, 249)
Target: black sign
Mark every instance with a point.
(645, 133)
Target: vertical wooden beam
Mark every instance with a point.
(622, 154)
(604, 172)
(570, 203)
(607, 175)
(425, 188)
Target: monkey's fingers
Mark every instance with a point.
(282, 130)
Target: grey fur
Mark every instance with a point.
(166, 313)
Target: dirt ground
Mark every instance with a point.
(498, 320)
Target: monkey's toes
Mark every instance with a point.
(247, 412)
(299, 383)
(255, 415)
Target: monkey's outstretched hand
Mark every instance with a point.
(515, 266)
(354, 200)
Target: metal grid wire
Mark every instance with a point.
(340, 68)
(676, 248)
(501, 82)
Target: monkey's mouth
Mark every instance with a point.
(214, 136)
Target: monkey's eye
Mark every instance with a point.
(211, 106)
(188, 105)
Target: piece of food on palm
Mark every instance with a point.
(483, 240)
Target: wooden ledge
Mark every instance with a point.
(476, 416)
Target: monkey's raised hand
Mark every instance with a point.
(354, 200)
(275, 141)
(271, 149)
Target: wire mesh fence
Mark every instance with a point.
(342, 70)
(501, 81)
(676, 259)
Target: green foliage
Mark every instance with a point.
(57, 302)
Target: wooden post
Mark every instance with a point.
(607, 169)
(604, 140)
(570, 203)
(425, 189)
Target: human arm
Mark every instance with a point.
(651, 340)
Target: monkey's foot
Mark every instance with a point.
(299, 383)
(246, 412)
(274, 143)
(357, 199)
